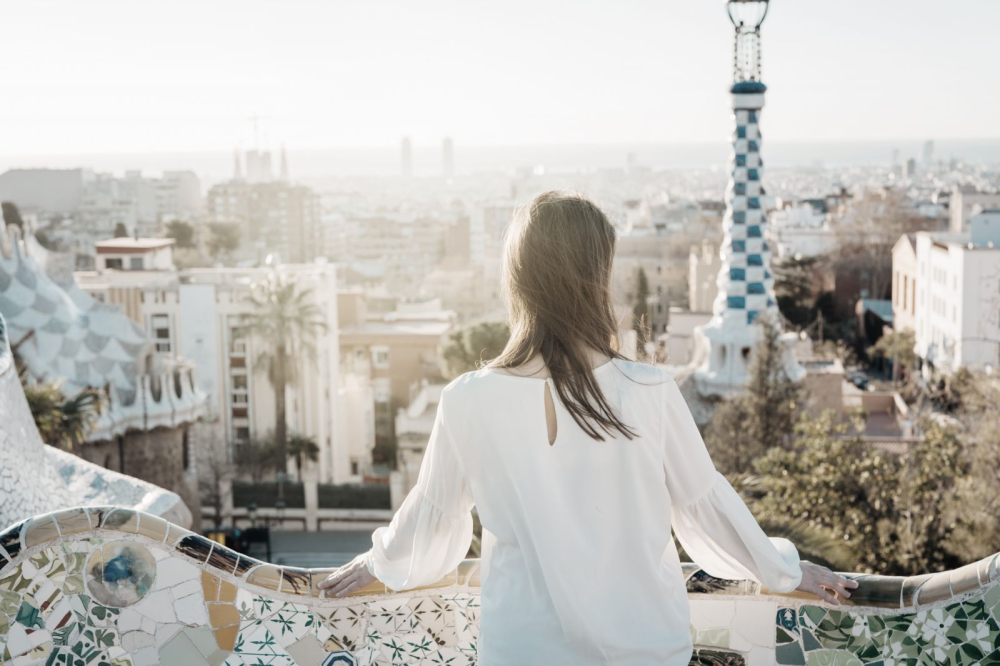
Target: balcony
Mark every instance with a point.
(117, 586)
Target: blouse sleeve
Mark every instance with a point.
(709, 518)
(432, 530)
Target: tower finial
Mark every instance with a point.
(747, 17)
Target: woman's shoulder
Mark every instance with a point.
(643, 374)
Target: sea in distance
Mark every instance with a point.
(384, 161)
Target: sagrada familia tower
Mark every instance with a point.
(746, 286)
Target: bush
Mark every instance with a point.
(265, 494)
(346, 496)
(354, 496)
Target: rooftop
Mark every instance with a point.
(127, 245)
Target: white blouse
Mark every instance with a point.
(578, 564)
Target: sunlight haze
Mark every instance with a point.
(116, 76)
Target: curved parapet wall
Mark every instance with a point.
(115, 586)
(36, 478)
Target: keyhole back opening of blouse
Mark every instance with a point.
(550, 414)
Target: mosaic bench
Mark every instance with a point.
(111, 586)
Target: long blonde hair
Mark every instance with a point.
(556, 284)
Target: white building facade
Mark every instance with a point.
(957, 309)
(199, 313)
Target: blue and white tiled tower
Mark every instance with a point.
(746, 286)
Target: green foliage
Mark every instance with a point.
(265, 494)
(181, 232)
(794, 289)
(640, 311)
(763, 416)
(978, 531)
(354, 496)
(223, 238)
(64, 422)
(11, 214)
(897, 345)
(471, 347)
(329, 496)
(815, 544)
(257, 458)
(301, 448)
(839, 350)
(888, 510)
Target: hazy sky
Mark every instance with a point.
(135, 75)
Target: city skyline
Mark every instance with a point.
(356, 76)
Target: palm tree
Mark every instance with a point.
(286, 320)
(302, 447)
(62, 421)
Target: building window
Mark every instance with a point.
(186, 451)
(237, 343)
(239, 382)
(160, 326)
(113, 264)
(380, 357)
(135, 264)
(382, 389)
(355, 468)
(242, 434)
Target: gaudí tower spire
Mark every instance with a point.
(746, 286)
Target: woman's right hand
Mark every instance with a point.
(825, 584)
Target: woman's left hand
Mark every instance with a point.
(348, 578)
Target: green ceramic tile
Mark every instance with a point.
(790, 654)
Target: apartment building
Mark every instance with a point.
(957, 307)
(200, 314)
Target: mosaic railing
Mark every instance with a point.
(115, 587)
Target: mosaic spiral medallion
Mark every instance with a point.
(120, 573)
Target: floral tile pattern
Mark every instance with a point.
(131, 592)
(963, 634)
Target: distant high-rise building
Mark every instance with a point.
(266, 175)
(284, 165)
(910, 168)
(928, 152)
(237, 169)
(280, 217)
(406, 157)
(252, 158)
(448, 157)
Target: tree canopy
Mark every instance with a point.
(763, 416)
(181, 232)
(468, 348)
